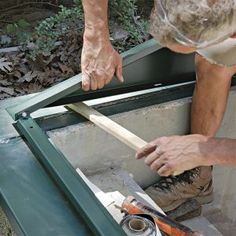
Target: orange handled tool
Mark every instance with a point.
(165, 224)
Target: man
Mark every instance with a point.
(183, 26)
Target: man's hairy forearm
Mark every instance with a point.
(99, 60)
(221, 151)
(96, 19)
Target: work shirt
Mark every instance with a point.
(223, 53)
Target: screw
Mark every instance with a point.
(24, 115)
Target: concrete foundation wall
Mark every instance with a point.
(93, 150)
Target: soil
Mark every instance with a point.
(5, 227)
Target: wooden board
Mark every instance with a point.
(111, 127)
(124, 135)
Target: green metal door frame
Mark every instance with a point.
(69, 181)
(144, 66)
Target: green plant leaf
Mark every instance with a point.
(10, 29)
(23, 24)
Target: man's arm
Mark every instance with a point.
(223, 151)
(99, 59)
(210, 96)
(209, 103)
(167, 155)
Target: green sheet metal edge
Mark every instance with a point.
(30, 199)
(79, 194)
(44, 98)
(73, 84)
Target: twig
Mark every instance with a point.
(6, 21)
(28, 3)
(18, 48)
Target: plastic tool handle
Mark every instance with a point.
(167, 225)
(111, 127)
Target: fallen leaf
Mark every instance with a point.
(33, 88)
(5, 83)
(5, 40)
(17, 74)
(28, 77)
(5, 65)
(9, 91)
(65, 69)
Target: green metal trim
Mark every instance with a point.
(140, 51)
(133, 83)
(44, 98)
(67, 118)
(32, 202)
(69, 181)
(71, 85)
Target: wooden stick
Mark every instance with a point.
(109, 126)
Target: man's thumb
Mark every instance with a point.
(119, 71)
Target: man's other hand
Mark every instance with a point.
(176, 154)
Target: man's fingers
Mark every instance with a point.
(119, 74)
(110, 75)
(85, 82)
(108, 80)
(119, 70)
(153, 156)
(145, 151)
(100, 82)
(165, 170)
(100, 76)
(156, 164)
(94, 84)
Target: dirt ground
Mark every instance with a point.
(5, 227)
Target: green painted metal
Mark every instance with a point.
(66, 177)
(68, 118)
(76, 190)
(140, 72)
(33, 203)
(43, 99)
(44, 199)
(69, 86)
(140, 51)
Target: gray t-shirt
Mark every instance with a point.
(223, 53)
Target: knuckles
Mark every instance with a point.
(169, 166)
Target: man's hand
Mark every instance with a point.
(99, 60)
(167, 155)
(99, 63)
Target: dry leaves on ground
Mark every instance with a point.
(19, 75)
(5, 65)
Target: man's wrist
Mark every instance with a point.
(204, 149)
(96, 35)
(96, 20)
(216, 151)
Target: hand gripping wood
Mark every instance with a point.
(111, 127)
